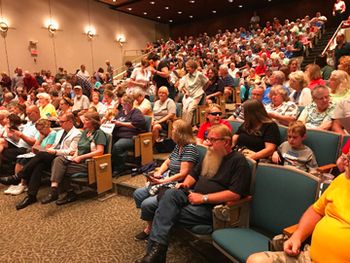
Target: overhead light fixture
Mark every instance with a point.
(170, 20)
(145, 13)
(152, 3)
(158, 17)
(167, 7)
(192, 1)
(190, 16)
(179, 12)
(129, 8)
(231, 1)
(240, 6)
(51, 25)
(214, 11)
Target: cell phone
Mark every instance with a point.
(149, 175)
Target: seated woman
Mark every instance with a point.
(339, 83)
(47, 110)
(174, 169)
(128, 123)
(301, 94)
(258, 136)
(45, 141)
(313, 74)
(213, 116)
(281, 109)
(141, 103)
(95, 101)
(318, 114)
(93, 142)
(164, 109)
(65, 106)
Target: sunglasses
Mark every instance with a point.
(218, 113)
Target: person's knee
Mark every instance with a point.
(258, 258)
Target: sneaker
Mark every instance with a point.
(18, 189)
(8, 190)
(142, 236)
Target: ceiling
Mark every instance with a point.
(185, 11)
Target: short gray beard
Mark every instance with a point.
(211, 162)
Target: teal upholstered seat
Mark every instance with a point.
(235, 125)
(324, 144)
(280, 197)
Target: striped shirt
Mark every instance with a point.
(188, 153)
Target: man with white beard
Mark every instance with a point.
(224, 176)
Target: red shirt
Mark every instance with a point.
(316, 82)
(203, 129)
(346, 147)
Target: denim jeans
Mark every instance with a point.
(173, 208)
(146, 202)
(120, 152)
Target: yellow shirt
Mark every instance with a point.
(331, 236)
(48, 111)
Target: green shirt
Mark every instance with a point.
(88, 144)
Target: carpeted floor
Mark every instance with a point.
(85, 231)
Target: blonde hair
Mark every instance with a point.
(183, 134)
(278, 89)
(43, 122)
(343, 81)
(299, 77)
(344, 64)
(212, 106)
(297, 127)
(164, 89)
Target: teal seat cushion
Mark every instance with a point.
(240, 243)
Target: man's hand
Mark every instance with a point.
(292, 246)
(195, 198)
(77, 159)
(51, 151)
(276, 157)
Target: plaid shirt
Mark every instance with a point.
(85, 84)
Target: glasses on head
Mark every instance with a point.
(218, 113)
(213, 140)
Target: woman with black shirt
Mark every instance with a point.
(258, 136)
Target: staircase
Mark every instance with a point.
(318, 47)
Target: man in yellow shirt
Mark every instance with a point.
(328, 220)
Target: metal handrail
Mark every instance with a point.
(333, 37)
(122, 69)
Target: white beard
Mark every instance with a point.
(212, 162)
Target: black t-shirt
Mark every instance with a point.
(234, 174)
(136, 118)
(268, 132)
(160, 81)
(216, 85)
(343, 51)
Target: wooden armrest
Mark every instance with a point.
(288, 231)
(326, 168)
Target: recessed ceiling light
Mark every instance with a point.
(152, 3)
(240, 6)
(231, 1)
(179, 12)
(192, 1)
(269, 0)
(145, 13)
(214, 11)
(158, 17)
(190, 16)
(129, 8)
(167, 7)
(170, 20)
(114, 0)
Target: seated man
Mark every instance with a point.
(224, 176)
(328, 219)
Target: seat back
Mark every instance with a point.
(235, 125)
(178, 109)
(148, 120)
(324, 144)
(283, 133)
(202, 151)
(281, 195)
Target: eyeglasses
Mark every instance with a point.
(218, 113)
(213, 140)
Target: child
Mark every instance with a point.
(293, 152)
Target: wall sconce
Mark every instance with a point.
(52, 26)
(4, 27)
(121, 40)
(90, 32)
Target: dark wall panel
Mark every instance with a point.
(290, 10)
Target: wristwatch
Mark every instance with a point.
(205, 198)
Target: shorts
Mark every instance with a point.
(281, 257)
